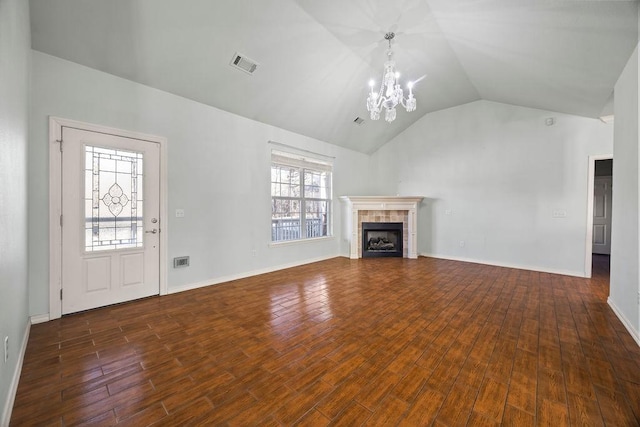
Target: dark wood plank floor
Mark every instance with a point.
(344, 342)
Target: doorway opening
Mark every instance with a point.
(598, 243)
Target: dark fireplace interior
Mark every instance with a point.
(381, 239)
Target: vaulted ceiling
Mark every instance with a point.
(316, 56)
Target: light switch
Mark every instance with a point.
(179, 213)
(559, 213)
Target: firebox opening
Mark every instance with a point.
(382, 239)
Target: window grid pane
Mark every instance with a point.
(301, 203)
(285, 219)
(316, 214)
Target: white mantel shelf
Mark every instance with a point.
(382, 203)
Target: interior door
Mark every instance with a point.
(602, 215)
(110, 219)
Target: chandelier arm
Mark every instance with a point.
(379, 101)
(381, 89)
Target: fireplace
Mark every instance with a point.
(382, 239)
(359, 209)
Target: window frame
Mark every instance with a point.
(305, 165)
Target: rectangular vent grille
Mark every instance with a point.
(243, 63)
(358, 120)
(182, 261)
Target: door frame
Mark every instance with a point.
(55, 203)
(590, 188)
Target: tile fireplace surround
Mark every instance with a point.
(361, 209)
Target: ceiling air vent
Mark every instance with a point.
(358, 120)
(243, 63)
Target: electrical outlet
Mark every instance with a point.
(462, 243)
(6, 349)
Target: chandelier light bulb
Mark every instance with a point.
(390, 93)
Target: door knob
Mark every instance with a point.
(154, 231)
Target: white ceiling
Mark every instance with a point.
(317, 56)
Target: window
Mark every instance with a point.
(112, 199)
(300, 197)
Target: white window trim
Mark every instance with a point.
(304, 162)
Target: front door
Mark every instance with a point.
(110, 219)
(602, 215)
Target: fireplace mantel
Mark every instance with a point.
(381, 203)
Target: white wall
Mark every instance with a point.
(492, 175)
(14, 96)
(218, 166)
(625, 251)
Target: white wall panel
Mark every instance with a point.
(218, 173)
(500, 185)
(625, 238)
(14, 119)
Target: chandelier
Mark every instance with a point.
(390, 93)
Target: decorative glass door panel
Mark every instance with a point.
(111, 219)
(113, 199)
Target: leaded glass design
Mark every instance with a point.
(113, 199)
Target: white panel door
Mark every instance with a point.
(110, 219)
(602, 215)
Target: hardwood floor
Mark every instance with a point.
(344, 342)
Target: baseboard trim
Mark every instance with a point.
(40, 318)
(507, 265)
(244, 275)
(13, 387)
(627, 324)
